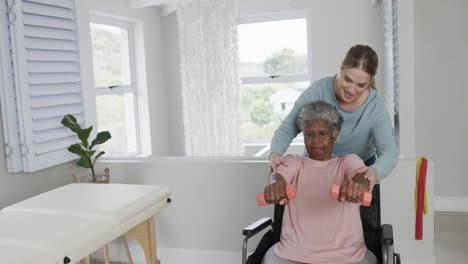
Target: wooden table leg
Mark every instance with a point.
(86, 260)
(127, 250)
(106, 254)
(145, 234)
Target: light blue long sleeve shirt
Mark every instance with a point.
(366, 130)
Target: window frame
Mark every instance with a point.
(287, 78)
(133, 87)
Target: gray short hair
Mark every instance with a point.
(320, 110)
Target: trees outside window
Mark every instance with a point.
(274, 72)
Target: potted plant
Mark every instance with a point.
(85, 150)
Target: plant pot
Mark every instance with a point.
(100, 178)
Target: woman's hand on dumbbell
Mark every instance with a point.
(275, 193)
(353, 189)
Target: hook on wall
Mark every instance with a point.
(11, 13)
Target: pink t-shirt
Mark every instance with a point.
(317, 228)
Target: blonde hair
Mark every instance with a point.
(362, 57)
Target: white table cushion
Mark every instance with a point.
(116, 202)
(21, 255)
(75, 220)
(54, 235)
(142, 216)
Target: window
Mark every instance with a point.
(116, 84)
(274, 70)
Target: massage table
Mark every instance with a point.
(67, 224)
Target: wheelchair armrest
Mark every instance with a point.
(387, 235)
(256, 227)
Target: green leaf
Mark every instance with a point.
(70, 122)
(101, 137)
(84, 162)
(77, 149)
(83, 135)
(88, 153)
(97, 156)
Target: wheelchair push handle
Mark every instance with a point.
(366, 197)
(290, 193)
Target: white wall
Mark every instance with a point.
(173, 84)
(334, 31)
(15, 187)
(213, 200)
(441, 89)
(441, 126)
(397, 196)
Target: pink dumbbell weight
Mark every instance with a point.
(290, 193)
(366, 198)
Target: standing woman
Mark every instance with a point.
(367, 130)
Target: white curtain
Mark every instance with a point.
(210, 78)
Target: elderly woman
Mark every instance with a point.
(316, 228)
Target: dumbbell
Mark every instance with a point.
(290, 193)
(366, 198)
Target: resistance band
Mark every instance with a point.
(420, 198)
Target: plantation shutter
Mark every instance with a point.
(46, 63)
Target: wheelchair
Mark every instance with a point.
(378, 238)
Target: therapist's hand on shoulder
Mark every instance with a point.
(371, 175)
(275, 160)
(275, 192)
